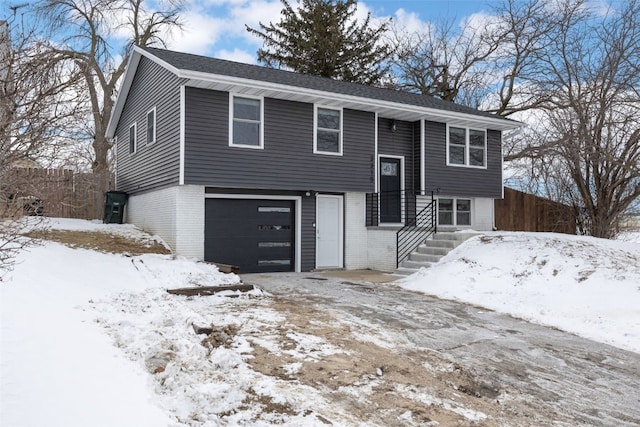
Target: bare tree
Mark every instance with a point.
(442, 62)
(487, 62)
(523, 29)
(590, 133)
(37, 102)
(567, 70)
(82, 34)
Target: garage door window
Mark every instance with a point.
(274, 244)
(267, 209)
(275, 227)
(274, 262)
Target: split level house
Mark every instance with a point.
(272, 170)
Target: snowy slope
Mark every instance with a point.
(57, 367)
(587, 286)
(92, 339)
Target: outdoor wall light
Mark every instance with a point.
(393, 126)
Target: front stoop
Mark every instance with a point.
(431, 251)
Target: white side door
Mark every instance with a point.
(329, 231)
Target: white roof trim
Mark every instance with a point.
(129, 74)
(133, 62)
(367, 104)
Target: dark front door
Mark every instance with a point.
(390, 196)
(255, 235)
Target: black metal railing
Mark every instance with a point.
(372, 209)
(390, 207)
(409, 237)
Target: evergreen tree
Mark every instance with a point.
(323, 38)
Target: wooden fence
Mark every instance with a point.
(56, 193)
(520, 211)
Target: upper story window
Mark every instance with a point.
(466, 147)
(246, 122)
(151, 126)
(328, 131)
(133, 139)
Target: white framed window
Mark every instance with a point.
(327, 138)
(133, 138)
(466, 147)
(455, 212)
(246, 122)
(151, 126)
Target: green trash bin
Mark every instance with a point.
(114, 202)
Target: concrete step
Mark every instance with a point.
(447, 235)
(429, 250)
(450, 244)
(422, 257)
(432, 250)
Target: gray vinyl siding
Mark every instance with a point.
(308, 238)
(399, 143)
(156, 165)
(416, 156)
(461, 181)
(287, 160)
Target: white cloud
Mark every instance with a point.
(218, 3)
(251, 13)
(200, 32)
(237, 55)
(361, 12)
(479, 22)
(409, 22)
(601, 8)
(217, 27)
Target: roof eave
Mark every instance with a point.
(129, 73)
(366, 104)
(363, 103)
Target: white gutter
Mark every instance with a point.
(369, 102)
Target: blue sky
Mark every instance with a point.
(216, 27)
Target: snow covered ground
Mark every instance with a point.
(93, 339)
(583, 285)
(56, 367)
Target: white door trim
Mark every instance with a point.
(376, 166)
(182, 133)
(402, 200)
(340, 199)
(423, 160)
(298, 217)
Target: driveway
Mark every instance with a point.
(501, 370)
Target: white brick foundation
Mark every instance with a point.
(381, 248)
(176, 214)
(482, 218)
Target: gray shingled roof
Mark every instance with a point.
(190, 62)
